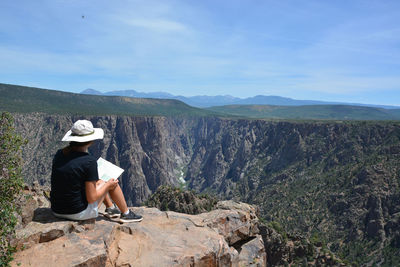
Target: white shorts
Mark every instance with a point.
(90, 212)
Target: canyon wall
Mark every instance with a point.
(151, 150)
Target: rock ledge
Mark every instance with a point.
(228, 236)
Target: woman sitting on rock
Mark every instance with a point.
(76, 191)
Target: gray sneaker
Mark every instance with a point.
(112, 212)
(130, 217)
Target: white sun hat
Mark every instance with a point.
(83, 131)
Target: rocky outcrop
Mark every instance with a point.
(223, 237)
(30, 199)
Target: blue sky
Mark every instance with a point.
(342, 50)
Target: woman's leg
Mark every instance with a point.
(116, 195)
(107, 201)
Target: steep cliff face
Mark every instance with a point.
(334, 181)
(152, 150)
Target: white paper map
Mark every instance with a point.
(107, 170)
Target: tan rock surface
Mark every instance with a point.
(236, 221)
(161, 239)
(170, 239)
(253, 253)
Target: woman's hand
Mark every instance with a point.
(96, 190)
(112, 183)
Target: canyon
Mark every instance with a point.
(333, 181)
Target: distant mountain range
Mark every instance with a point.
(22, 99)
(223, 100)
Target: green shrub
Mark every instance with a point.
(171, 198)
(11, 183)
(279, 229)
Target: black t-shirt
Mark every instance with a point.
(68, 177)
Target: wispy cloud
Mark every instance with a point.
(159, 25)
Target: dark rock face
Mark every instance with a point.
(340, 180)
(375, 220)
(148, 148)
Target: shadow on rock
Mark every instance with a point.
(44, 215)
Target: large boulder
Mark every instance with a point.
(223, 237)
(32, 197)
(252, 253)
